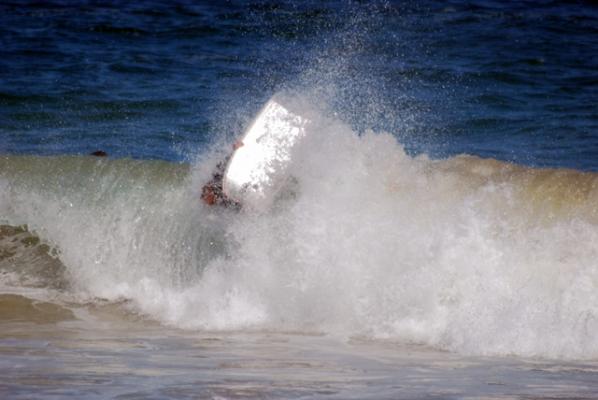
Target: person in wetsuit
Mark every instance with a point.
(212, 192)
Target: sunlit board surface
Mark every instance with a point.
(258, 169)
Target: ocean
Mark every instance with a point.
(440, 240)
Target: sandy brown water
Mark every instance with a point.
(98, 352)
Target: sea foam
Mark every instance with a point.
(464, 254)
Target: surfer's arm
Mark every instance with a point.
(237, 144)
(212, 192)
(208, 194)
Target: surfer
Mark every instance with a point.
(256, 175)
(212, 192)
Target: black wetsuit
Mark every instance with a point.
(215, 185)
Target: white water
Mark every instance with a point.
(371, 242)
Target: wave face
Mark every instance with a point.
(465, 254)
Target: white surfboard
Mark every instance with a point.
(259, 168)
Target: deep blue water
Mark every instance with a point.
(515, 80)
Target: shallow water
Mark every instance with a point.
(107, 355)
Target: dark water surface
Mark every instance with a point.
(155, 79)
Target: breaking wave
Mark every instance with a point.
(465, 254)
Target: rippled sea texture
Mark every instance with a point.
(516, 81)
